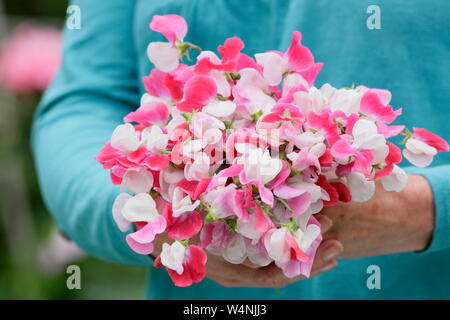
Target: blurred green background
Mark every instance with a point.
(33, 257)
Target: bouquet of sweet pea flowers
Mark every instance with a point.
(236, 154)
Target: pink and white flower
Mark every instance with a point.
(244, 151)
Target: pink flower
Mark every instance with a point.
(184, 265)
(150, 113)
(141, 241)
(431, 139)
(171, 26)
(422, 146)
(184, 226)
(198, 92)
(165, 56)
(297, 58)
(30, 58)
(298, 200)
(304, 245)
(375, 103)
(182, 203)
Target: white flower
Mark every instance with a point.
(396, 181)
(346, 100)
(155, 139)
(360, 188)
(366, 136)
(220, 109)
(274, 67)
(276, 245)
(259, 165)
(172, 256)
(235, 251)
(248, 228)
(419, 153)
(199, 168)
(122, 223)
(163, 55)
(140, 181)
(140, 208)
(125, 138)
(307, 237)
(182, 204)
(311, 101)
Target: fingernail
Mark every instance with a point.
(331, 253)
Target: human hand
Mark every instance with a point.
(391, 222)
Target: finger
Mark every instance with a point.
(329, 250)
(325, 223)
(251, 265)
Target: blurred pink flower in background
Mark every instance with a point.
(30, 58)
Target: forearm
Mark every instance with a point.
(415, 205)
(87, 99)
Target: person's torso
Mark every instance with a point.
(409, 55)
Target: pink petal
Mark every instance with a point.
(186, 226)
(324, 123)
(372, 104)
(395, 154)
(281, 177)
(297, 254)
(343, 191)
(194, 267)
(154, 84)
(198, 91)
(389, 131)
(283, 191)
(431, 139)
(342, 149)
(300, 57)
(262, 222)
(171, 26)
(157, 162)
(299, 204)
(311, 74)
(141, 240)
(194, 188)
(344, 169)
(149, 114)
(230, 53)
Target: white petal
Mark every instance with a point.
(220, 109)
(235, 252)
(275, 243)
(274, 67)
(141, 207)
(163, 56)
(419, 147)
(155, 138)
(138, 181)
(248, 229)
(396, 181)
(366, 135)
(118, 205)
(308, 237)
(172, 256)
(421, 160)
(222, 84)
(124, 138)
(360, 188)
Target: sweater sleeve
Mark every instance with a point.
(95, 87)
(439, 180)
